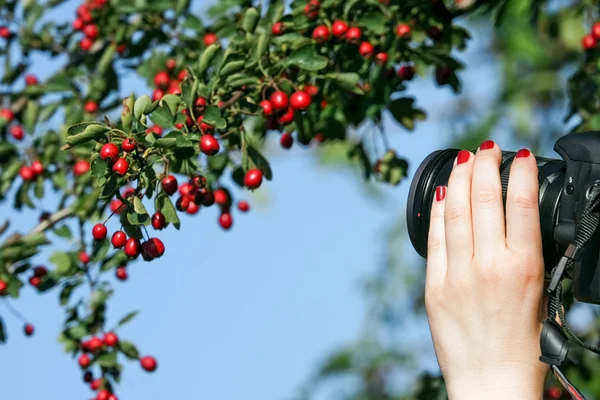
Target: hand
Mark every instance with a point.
(484, 286)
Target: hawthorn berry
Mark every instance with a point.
(84, 361)
(40, 271)
(3, 286)
(118, 239)
(588, 42)
(157, 94)
(88, 376)
(277, 29)
(96, 383)
(209, 39)
(91, 107)
(171, 64)
(339, 28)
(279, 100)
(27, 173)
(17, 132)
(182, 75)
(321, 33)
(286, 140)
(117, 206)
(204, 127)
(267, 107)
(169, 184)
(78, 24)
(81, 167)
(85, 44)
(162, 80)
(300, 101)
(174, 88)
(132, 248)
(35, 281)
(287, 117)
(158, 220)
(201, 104)
(91, 31)
(113, 397)
(155, 129)
(31, 80)
(243, 206)
(200, 181)
(128, 145)
(434, 33)
(209, 145)
(596, 30)
(354, 34)
(403, 31)
(37, 167)
(102, 395)
(5, 32)
(366, 49)
(406, 72)
(7, 114)
(182, 203)
(121, 273)
(442, 75)
(111, 339)
(120, 167)
(84, 257)
(208, 197)
(381, 58)
(99, 232)
(28, 329)
(312, 90)
(221, 197)
(225, 221)
(148, 363)
(193, 208)
(253, 178)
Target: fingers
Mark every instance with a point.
(457, 214)
(436, 243)
(486, 203)
(523, 236)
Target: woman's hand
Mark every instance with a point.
(485, 278)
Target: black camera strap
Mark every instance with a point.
(554, 337)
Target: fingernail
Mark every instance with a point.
(488, 144)
(440, 193)
(463, 156)
(523, 153)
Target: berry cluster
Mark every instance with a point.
(85, 22)
(168, 81)
(590, 41)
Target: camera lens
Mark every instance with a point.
(435, 170)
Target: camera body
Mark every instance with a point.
(581, 153)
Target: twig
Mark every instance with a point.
(234, 98)
(52, 220)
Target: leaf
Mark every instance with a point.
(250, 21)
(138, 206)
(2, 331)
(346, 80)
(403, 111)
(117, 259)
(63, 262)
(164, 205)
(76, 332)
(107, 360)
(141, 104)
(99, 297)
(165, 143)
(337, 363)
(138, 219)
(187, 92)
(129, 350)
(376, 22)
(259, 162)
(63, 231)
(231, 68)
(292, 39)
(66, 291)
(306, 58)
(30, 117)
(49, 110)
(127, 318)
(172, 101)
(78, 128)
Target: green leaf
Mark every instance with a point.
(116, 260)
(66, 291)
(212, 116)
(2, 331)
(172, 101)
(307, 58)
(376, 22)
(78, 128)
(403, 111)
(187, 92)
(259, 161)
(30, 116)
(99, 297)
(107, 360)
(63, 262)
(127, 318)
(63, 231)
(129, 350)
(292, 39)
(165, 206)
(49, 110)
(141, 104)
(231, 68)
(105, 61)
(138, 206)
(207, 57)
(165, 143)
(346, 80)
(77, 332)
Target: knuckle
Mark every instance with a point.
(434, 244)
(435, 300)
(529, 267)
(486, 198)
(454, 214)
(525, 200)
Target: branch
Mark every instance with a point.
(236, 96)
(51, 221)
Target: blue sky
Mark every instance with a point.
(246, 314)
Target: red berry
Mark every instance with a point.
(7, 114)
(253, 178)
(287, 117)
(85, 44)
(403, 31)
(84, 361)
(201, 104)
(311, 10)
(28, 329)
(339, 28)
(365, 49)
(221, 197)
(81, 167)
(169, 184)
(83, 9)
(162, 80)
(183, 203)
(78, 24)
(267, 107)
(91, 31)
(381, 58)
(588, 42)
(5, 32)
(17, 132)
(121, 273)
(193, 208)
(121, 48)
(111, 339)
(155, 129)
(174, 88)
(3, 286)
(27, 173)
(158, 220)
(157, 94)
(312, 90)
(120, 167)
(209, 145)
(210, 38)
(99, 231)
(406, 72)
(118, 239)
(171, 64)
(31, 80)
(88, 376)
(102, 395)
(321, 34)
(117, 206)
(37, 167)
(40, 271)
(225, 221)
(279, 100)
(286, 140)
(353, 34)
(182, 75)
(35, 281)
(113, 397)
(132, 248)
(128, 145)
(96, 383)
(243, 206)
(596, 30)
(442, 75)
(185, 189)
(91, 107)
(84, 257)
(300, 101)
(148, 363)
(277, 29)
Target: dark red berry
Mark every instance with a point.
(111, 339)
(381, 58)
(96, 383)
(243, 206)
(40, 271)
(118, 240)
(28, 329)
(406, 72)
(99, 231)
(300, 100)
(588, 42)
(158, 220)
(121, 273)
(128, 145)
(121, 166)
(84, 361)
(182, 203)
(88, 376)
(31, 80)
(3, 286)
(287, 117)
(286, 140)
(279, 100)
(225, 221)
(209, 145)
(253, 178)
(102, 395)
(169, 184)
(35, 281)
(17, 132)
(148, 363)
(132, 248)
(109, 151)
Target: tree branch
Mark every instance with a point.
(52, 220)
(234, 98)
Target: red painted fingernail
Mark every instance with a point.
(523, 153)
(463, 156)
(440, 193)
(488, 144)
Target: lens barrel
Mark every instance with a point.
(435, 170)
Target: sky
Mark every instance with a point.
(245, 314)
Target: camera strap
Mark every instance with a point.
(554, 338)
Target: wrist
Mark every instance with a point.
(524, 383)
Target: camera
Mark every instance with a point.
(564, 193)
